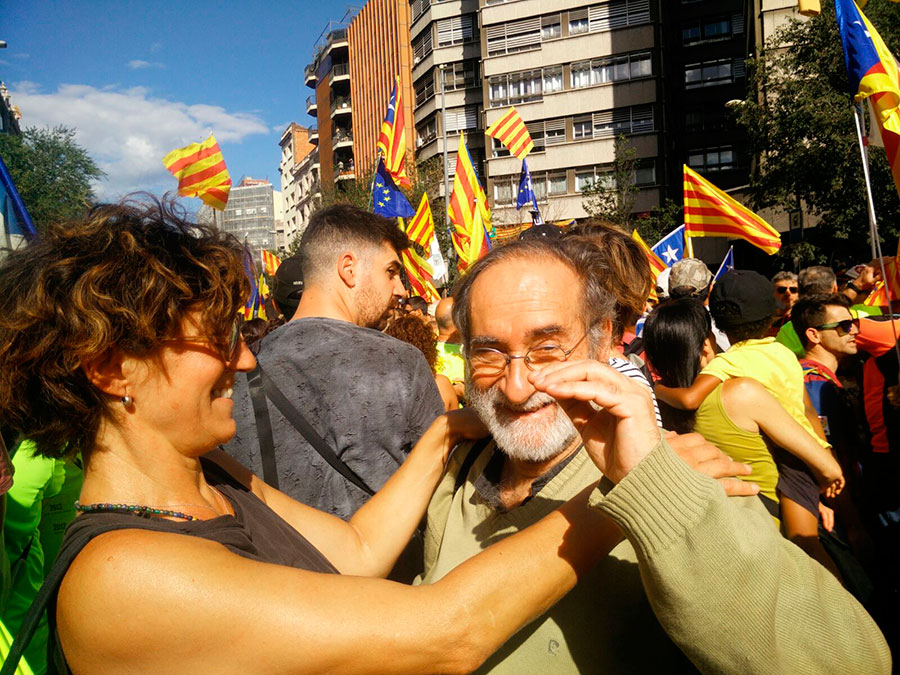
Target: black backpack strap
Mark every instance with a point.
(294, 416)
(263, 427)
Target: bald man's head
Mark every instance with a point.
(443, 314)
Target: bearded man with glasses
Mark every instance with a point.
(535, 324)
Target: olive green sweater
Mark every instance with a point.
(728, 591)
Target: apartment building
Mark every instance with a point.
(580, 74)
(299, 182)
(329, 76)
(252, 215)
(447, 79)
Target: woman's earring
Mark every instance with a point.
(127, 401)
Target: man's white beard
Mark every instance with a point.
(529, 441)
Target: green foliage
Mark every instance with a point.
(800, 124)
(613, 196)
(52, 173)
(660, 221)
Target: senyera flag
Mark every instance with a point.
(873, 75)
(512, 132)
(421, 228)
(200, 170)
(468, 211)
(420, 274)
(270, 262)
(709, 212)
(392, 139)
(655, 263)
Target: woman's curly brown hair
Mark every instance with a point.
(413, 330)
(123, 277)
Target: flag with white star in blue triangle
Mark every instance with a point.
(670, 248)
(387, 200)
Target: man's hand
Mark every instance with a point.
(869, 275)
(613, 413)
(706, 458)
(827, 516)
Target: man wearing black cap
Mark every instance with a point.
(367, 396)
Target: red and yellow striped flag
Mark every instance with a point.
(709, 212)
(421, 227)
(200, 170)
(512, 132)
(270, 262)
(656, 263)
(420, 274)
(469, 212)
(392, 139)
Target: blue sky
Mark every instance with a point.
(137, 79)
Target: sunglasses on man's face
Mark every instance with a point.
(785, 289)
(841, 327)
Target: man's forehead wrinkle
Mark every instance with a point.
(539, 333)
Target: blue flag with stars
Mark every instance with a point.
(526, 193)
(670, 248)
(387, 200)
(727, 264)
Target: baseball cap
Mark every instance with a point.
(662, 283)
(287, 286)
(689, 273)
(742, 296)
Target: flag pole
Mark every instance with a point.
(873, 226)
(446, 167)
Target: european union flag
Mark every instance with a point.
(387, 200)
(727, 264)
(670, 248)
(526, 191)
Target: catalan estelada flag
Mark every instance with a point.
(420, 274)
(709, 212)
(270, 262)
(392, 139)
(512, 132)
(200, 170)
(873, 75)
(421, 228)
(468, 207)
(656, 264)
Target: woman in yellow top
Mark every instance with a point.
(740, 416)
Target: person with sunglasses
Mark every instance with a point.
(786, 294)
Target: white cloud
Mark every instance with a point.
(128, 132)
(137, 64)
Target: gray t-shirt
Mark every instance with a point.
(370, 396)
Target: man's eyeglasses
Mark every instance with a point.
(785, 289)
(490, 361)
(841, 327)
(234, 339)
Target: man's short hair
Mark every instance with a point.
(337, 228)
(810, 311)
(597, 305)
(816, 280)
(784, 275)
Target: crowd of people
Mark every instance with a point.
(542, 472)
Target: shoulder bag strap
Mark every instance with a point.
(263, 427)
(293, 415)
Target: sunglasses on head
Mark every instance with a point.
(785, 289)
(842, 327)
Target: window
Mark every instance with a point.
(539, 182)
(583, 180)
(618, 14)
(462, 119)
(497, 89)
(645, 175)
(705, 119)
(578, 21)
(707, 74)
(616, 69)
(424, 89)
(456, 30)
(426, 132)
(504, 192)
(707, 30)
(524, 87)
(462, 75)
(712, 159)
(634, 120)
(418, 8)
(581, 128)
(557, 183)
(423, 45)
(514, 36)
(553, 79)
(550, 27)
(581, 74)
(498, 149)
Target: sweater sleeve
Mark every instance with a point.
(730, 591)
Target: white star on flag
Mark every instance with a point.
(670, 254)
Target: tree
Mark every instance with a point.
(612, 196)
(800, 125)
(52, 173)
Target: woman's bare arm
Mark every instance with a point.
(370, 542)
(146, 601)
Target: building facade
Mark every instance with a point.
(9, 113)
(295, 182)
(253, 215)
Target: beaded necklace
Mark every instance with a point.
(134, 509)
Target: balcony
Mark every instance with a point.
(309, 76)
(340, 72)
(344, 171)
(341, 139)
(337, 38)
(340, 106)
(311, 105)
(313, 135)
